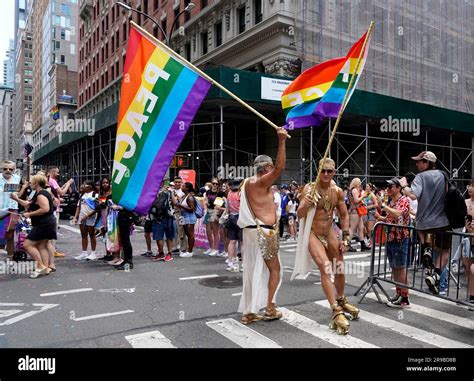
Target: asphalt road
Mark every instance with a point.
(152, 306)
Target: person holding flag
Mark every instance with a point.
(320, 92)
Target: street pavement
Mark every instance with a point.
(192, 303)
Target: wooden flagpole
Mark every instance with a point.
(204, 75)
(341, 111)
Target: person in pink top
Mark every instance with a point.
(234, 233)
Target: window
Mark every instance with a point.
(218, 33)
(63, 34)
(258, 11)
(117, 68)
(241, 19)
(176, 23)
(145, 6)
(72, 49)
(63, 59)
(65, 9)
(124, 35)
(155, 4)
(112, 43)
(139, 16)
(204, 42)
(187, 51)
(112, 73)
(57, 45)
(203, 3)
(117, 41)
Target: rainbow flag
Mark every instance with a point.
(160, 96)
(318, 92)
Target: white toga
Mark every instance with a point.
(256, 274)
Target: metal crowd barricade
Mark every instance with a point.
(380, 269)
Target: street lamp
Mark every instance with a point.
(167, 36)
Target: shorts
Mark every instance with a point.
(212, 215)
(39, 233)
(163, 228)
(440, 238)
(291, 218)
(188, 218)
(89, 222)
(397, 253)
(371, 217)
(234, 233)
(148, 226)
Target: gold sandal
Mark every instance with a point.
(250, 318)
(272, 314)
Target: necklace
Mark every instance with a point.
(327, 205)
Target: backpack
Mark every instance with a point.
(454, 204)
(198, 210)
(161, 207)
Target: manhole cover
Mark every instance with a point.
(222, 282)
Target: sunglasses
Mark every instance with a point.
(8, 169)
(390, 186)
(327, 171)
(215, 183)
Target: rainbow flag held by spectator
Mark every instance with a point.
(318, 92)
(160, 96)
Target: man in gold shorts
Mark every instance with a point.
(318, 240)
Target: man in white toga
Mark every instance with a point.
(257, 218)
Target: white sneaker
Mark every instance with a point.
(81, 257)
(230, 266)
(92, 257)
(227, 260)
(3, 251)
(235, 268)
(207, 252)
(213, 253)
(186, 255)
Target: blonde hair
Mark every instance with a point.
(355, 183)
(40, 179)
(327, 161)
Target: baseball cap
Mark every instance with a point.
(425, 155)
(394, 181)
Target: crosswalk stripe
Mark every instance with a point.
(152, 339)
(322, 331)
(406, 330)
(241, 335)
(436, 299)
(440, 315)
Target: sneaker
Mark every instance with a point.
(221, 254)
(442, 292)
(241, 268)
(213, 253)
(400, 302)
(427, 258)
(147, 254)
(235, 268)
(168, 258)
(187, 254)
(159, 257)
(91, 257)
(230, 266)
(227, 261)
(124, 266)
(393, 298)
(432, 281)
(207, 252)
(3, 251)
(81, 257)
(58, 254)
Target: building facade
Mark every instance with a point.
(9, 65)
(251, 47)
(6, 123)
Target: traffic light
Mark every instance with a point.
(179, 161)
